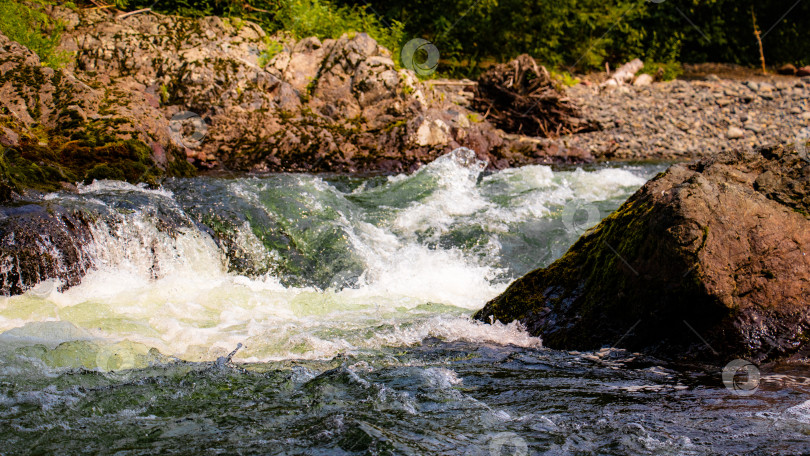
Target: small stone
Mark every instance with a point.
(643, 80)
(723, 101)
(803, 71)
(735, 133)
(8, 137)
(795, 110)
(787, 69)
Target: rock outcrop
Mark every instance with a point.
(56, 129)
(274, 104)
(708, 260)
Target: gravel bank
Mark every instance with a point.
(681, 120)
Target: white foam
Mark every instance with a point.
(105, 186)
(799, 413)
(456, 195)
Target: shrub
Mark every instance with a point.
(324, 20)
(28, 25)
(669, 70)
(272, 48)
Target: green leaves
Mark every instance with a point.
(29, 26)
(584, 34)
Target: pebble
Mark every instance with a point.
(735, 133)
(752, 127)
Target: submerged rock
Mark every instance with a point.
(707, 260)
(41, 242)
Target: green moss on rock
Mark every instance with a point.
(36, 166)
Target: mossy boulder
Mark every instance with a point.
(57, 130)
(707, 261)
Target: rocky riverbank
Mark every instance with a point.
(148, 94)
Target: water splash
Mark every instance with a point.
(305, 267)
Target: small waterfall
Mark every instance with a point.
(291, 266)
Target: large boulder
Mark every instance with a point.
(708, 260)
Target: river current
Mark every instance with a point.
(317, 315)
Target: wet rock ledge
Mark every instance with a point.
(709, 260)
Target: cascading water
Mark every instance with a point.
(351, 298)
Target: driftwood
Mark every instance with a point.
(520, 97)
(132, 13)
(624, 74)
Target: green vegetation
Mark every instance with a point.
(272, 48)
(569, 35)
(667, 71)
(564, 78)
(28, 25)
(164, 94)
(586, 34)
(302, 18)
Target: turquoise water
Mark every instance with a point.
(349, 302)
